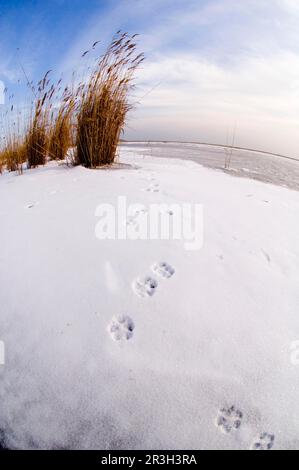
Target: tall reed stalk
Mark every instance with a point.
(37, 138)
(62, 127)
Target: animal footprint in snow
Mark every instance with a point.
(167, 212)
(140, 212)
(153, 188)
(133, 219)
(264, 441)
(163, 269)
(145, 287)
(229, 419)
(30, 205)
(121, 328)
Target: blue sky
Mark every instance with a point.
(210, 65)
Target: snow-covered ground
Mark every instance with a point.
(209, 361)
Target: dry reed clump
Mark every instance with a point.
(90, 116)
(60, 136)
(12, 151)
(103, 103)
(13, 156)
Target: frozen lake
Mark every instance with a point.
(250, 164)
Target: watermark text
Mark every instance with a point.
(124, 221)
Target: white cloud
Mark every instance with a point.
(200, 100)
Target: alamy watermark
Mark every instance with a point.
(124, 221)
(2, 353)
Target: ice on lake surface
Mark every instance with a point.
(250, 164)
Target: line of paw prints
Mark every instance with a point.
(230, 420)
(147, 286)
(121, 327)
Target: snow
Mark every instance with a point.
(202, 362)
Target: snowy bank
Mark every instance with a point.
(208, 361)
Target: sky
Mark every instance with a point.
(213, 67)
